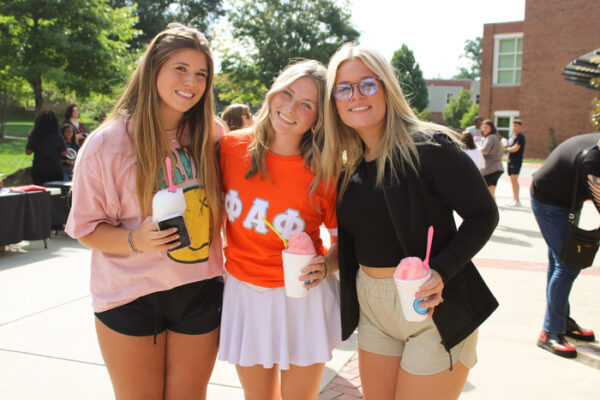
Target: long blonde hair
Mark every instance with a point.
(343, 147)
(140, 101)
(311, 143)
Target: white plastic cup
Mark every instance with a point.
(410, 304)
(292, 267)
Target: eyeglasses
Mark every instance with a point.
(366, 87)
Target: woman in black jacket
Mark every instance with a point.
(48, 147)
(397, 176)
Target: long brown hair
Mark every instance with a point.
(140, 101)
(311, 143)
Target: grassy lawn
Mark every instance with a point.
(12, 153)
(13, 157)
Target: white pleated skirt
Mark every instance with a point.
(267, 327)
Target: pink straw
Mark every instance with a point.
(429, 242)
(172, 187)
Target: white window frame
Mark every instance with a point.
(497, 39)
(511, 114)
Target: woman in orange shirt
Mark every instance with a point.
(268, 173)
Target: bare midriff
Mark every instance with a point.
(378, 272)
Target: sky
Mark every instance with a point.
(435, 30)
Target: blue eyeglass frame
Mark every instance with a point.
(359, 86)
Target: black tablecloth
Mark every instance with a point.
(61, 205)
(24, 216)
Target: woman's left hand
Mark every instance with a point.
(432, 292)
(314, 272)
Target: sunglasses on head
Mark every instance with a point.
(366, 87)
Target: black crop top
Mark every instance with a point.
(363, 213)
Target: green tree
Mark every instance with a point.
(12, 90)
(154, 15)
(596, 105)
(473, 54)
(468, 118)
(457, 108)
(230, 89)
(410, 77)
(422, 115)
(79, 45)
(275, 32)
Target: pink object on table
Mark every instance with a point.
(300, 243)
(28, 188)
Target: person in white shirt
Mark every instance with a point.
(475, 130)
(472, 149)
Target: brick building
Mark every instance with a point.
(521, 71)
(440, 91)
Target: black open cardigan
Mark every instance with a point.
(447, 181)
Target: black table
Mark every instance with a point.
(61, 205)
(24, 216)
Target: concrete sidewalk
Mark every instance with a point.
(48, 347)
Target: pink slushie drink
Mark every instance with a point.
(410, 274)
(298, 254)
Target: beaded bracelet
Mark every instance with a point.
(131, 246)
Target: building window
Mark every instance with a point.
(508, 58)
(477, 99)
(503, 121)
(449, 97)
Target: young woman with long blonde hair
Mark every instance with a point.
(279, 344)
(157, 311)
(397, 177)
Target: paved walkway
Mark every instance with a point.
(48, 347)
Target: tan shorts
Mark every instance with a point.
(382, 329)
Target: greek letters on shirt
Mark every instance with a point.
(286, 223)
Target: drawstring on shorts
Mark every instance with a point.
(156, 321)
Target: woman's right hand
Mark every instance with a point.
(147, 237)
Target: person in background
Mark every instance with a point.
(72, 145)
(157, 311)
(72, 118)
(551, 201)
(515, 148)
(48, 147)
(472, 149)
(237, 116)
(475, 130)
(492, 150)
(397, 177)
(279, 344)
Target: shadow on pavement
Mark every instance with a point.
(23, 253)
(588, 354)
(527, 232)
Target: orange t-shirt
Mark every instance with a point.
(253, 252)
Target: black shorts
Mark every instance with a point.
(191, 309)
(514, 168)
(492, 179)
